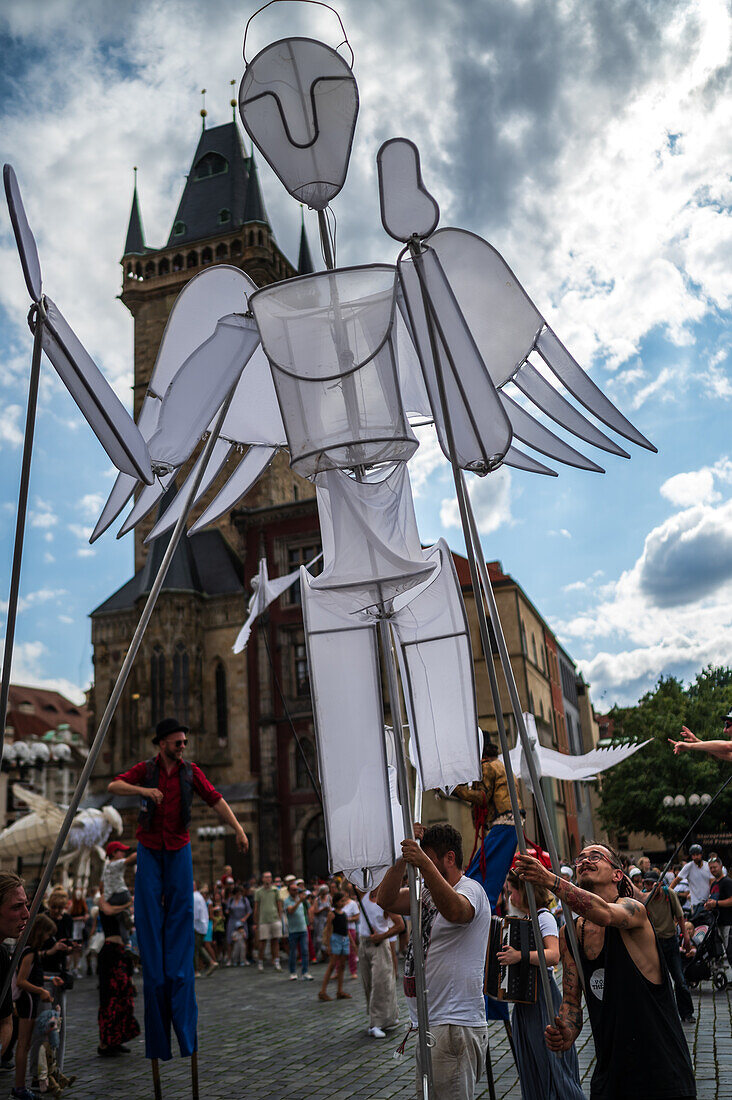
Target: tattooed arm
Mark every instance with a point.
(625, 913)
(568, 1023)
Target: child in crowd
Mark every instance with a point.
(337, 942)
(239, 945)
(28, 993)
(113, 881)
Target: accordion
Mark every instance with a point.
(519, 982)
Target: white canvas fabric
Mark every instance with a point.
(328, 338)
(559, 765)
(242, 480)
(534, 434)
(125, 484)
(581, 386)
(217, 460)
(407, 208)
(371, 545)
(254, 415)
(347, 705)
(24, 239)
(264, 592)
(481, 429)
(149, 497)
(298, 101)
(436, 667)
(199, 388)
(104, 412)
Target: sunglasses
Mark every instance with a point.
(179, 744)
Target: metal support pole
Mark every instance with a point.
(114, 698)
(30, 423)
(483, 627)
(414, 904)
(520, 724)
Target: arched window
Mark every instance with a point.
(206, 256)
(224, 216)
(149, 269)
(260, 238)
(164, 266)
(157, 685)
(222, 707)
(212, 164)
(251, 237)
(302, 779)
(178, 262)
(179, 229)
(236, 247)
(181, 682)
(192, 259)
(221, 251)
(138, 270)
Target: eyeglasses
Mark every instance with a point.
(180, 744)
(593, 858)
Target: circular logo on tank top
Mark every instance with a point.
(597, 983)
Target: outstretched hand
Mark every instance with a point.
(531, 870)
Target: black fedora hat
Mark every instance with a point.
(166, 726)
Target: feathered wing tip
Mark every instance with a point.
(122, 490)
(145, 502)
(520, 461)
(581, 386)
(242, 480)
(535, 435)
(219, 454)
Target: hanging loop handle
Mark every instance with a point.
(321, 3)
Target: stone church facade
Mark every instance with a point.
(241, 709)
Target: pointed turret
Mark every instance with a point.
(135, 242)
(214, 197)
(304, 259)
(254, 206)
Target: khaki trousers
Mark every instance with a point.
(379, 984)
(458, 1061)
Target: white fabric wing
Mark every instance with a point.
(436, 666)
(254, 415)
(481, 429)
(265, 592)
(146, 501)
(24, 238)
(349, 720)
(559, 765)
(104, 412)
(298, 101)
(328, 338)
(125, 484)
(371, 546)
(244, 477)
(217, 460)
(199, 388)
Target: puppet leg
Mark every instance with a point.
(156, 1079)
(149, 922)
(194, 1075)
(179, 943)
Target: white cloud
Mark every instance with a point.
(491, 499)
(32, 599)
(90, 504)
(43, 515)
(79, 531)
(10, 424)
(697, 486)
(86, 552)
(29, 667)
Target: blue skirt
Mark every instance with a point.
(543, 1075)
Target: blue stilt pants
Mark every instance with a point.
(164, 923)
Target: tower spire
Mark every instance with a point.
(204, 112)
(232, 101)
(254, 204)
(304, 259)
(135, 242)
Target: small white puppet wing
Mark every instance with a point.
(48, 812)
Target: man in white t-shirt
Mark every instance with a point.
(699, 877)
(375, 929)
(456, 920)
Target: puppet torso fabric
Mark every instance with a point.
(488, 797)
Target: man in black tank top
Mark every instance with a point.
(639, 1042)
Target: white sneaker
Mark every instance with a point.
(377, 1033)
(260, 965)
(293, 977)
(307, 977)
(277, 964)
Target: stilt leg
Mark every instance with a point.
(489, 1073)
(194, 1074)
(156, 1079)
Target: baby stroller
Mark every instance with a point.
(710, 960)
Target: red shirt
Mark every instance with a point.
(167, 830)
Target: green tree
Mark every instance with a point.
(631, 794)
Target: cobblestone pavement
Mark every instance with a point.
(263, 1037)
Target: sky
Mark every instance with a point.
(588, 142)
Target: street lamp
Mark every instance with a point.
(211, 833)
(680, 801)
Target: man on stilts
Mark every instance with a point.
(164, 885)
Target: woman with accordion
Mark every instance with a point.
(543, 1075)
